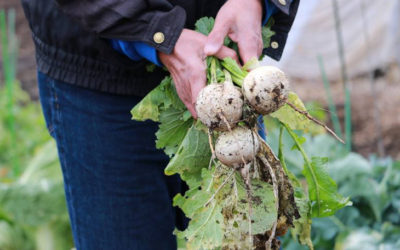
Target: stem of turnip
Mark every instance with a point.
(307, 163)
(228, 77)
(238, 74)
(213, 70)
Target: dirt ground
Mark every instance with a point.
(371, 113)
(365, 136)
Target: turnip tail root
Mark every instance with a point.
(220, 187)
(266, 88)
(210, 141)
(245, 172)
(306, 114)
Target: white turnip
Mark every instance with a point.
(218, 105)
(237, 146)
(266, 88)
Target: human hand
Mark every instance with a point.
(187, 65)
(241, 21)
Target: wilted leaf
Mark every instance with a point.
(302, 226)
(204, 230)
(148, 108)
(264, 212)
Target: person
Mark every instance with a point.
(91, 60)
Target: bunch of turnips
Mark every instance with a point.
(230, 113)
(241, 195)
(220, 107)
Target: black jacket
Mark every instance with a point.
(71, 37)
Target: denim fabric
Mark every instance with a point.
(117, 194)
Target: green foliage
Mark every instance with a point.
(27, 200)
(13, 237)
(149, 107)
(316, 110)
(34, 205)
(204, 231)
(29, 126)
(323, 189)
(33, 212)
(295, 120)
(173, 128)
(267, 33)
(193, 155)
(205, 25)
(373, 221)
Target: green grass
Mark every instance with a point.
(9, 61)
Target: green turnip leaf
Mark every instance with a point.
(204, 25)
(295, 120)
(192, 155)
(172, 130)
(149, 107)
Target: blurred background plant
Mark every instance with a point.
(373, 222)
(33, 212)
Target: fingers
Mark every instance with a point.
(215, 39)
(250, 46)
(198, 81)
(197, 85)
(227, 52)
(189, 83)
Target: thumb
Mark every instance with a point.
(215, 39)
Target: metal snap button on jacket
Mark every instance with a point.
(274, 45)
(159, 37)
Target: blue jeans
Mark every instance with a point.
(117, 194)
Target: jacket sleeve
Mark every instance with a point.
(154, 22)
(283, 21)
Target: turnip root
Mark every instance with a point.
(266, 88)
(237, 146)
(219, 106)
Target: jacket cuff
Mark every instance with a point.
(282, 25)
(165, 29)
